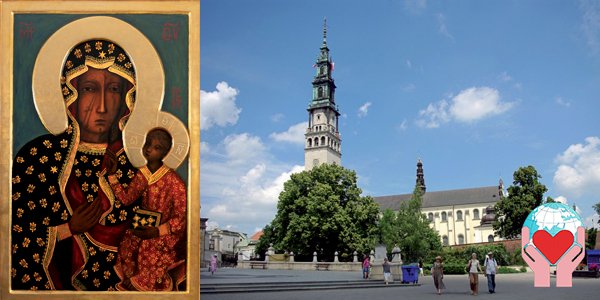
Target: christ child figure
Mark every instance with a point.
(146, 252)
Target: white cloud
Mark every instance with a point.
(563, 102)
(442, 26)
(561, 199)
(241, 182)
(403, 126)
(408, 87)
(590, 23)
(204, 148)
(248, 201)
(409, 64)
(364, 110)
(434, 115)
(277, 117)
(476, 103)
(243, 147)
(415, 6)
(294, 134)
(504, 77)
(578, 171)
(470, 105)
(218, 107)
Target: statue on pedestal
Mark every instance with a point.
(396, 257)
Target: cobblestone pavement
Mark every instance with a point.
(509, 286)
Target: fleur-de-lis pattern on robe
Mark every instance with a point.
(43, 198)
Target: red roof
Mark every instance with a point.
(256, 236)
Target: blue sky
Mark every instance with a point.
(476, 89)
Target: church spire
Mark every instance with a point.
(324, 32)
(323, 141)
(420, 176)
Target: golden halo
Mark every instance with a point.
(150, 77)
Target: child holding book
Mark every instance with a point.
(146, 251)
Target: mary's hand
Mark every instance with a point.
(110, 162)
(85, 217)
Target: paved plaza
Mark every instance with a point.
(509, 286)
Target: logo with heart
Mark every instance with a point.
(553, 247)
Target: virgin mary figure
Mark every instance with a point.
(66, 222)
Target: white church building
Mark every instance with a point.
(462, 216)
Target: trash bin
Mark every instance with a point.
(410, 274)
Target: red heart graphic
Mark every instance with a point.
(553, 247)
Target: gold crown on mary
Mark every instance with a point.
(98, 54)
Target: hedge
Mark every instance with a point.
(449, 269)
(458, 269)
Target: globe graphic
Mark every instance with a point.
(553, 217)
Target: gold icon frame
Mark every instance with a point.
(8, 10)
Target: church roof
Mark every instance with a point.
(256, 236)
(443, 198)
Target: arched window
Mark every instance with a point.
(430, 217)
(445, 240)
(444, 217)
(459, 215)
(316, 141)
(461, 239)
(322, 70)
(323, 140)
(490, 238)
(309, 142)
(476, 214)
(320, 92)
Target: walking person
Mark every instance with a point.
(213, 264)
(387, 272)
(366, 265)
(421, 267)
(491, 268)
(437, 272)
(474, 269)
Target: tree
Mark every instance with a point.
(322, 210)
(590, 243)
(409, 228)
(388, 229)
(524, 195)
(597, 209)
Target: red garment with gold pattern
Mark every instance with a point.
(146, 262)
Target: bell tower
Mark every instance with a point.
(420, 176)
(322, 138)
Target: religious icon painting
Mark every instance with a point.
(100, 136)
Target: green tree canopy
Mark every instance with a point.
(322, 210)
(524, 195)
(409, 229)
